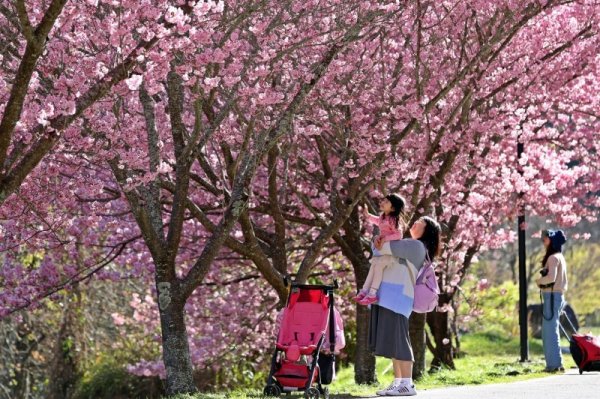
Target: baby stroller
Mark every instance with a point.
(301, 359)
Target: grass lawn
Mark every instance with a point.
(488, 358)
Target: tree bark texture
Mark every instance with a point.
(440, 328)
(416, 328)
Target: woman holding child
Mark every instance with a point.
(388, 329)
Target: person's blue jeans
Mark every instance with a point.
(550, 333)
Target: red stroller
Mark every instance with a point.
(298, 364)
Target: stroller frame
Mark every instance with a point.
(274, 388)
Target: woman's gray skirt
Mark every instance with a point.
(388, 334)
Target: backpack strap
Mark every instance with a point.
(412, 276)
(421, 271)
(427, 264)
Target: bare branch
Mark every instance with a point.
(24, 21)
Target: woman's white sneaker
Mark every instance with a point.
(402, 390)
(384, 392)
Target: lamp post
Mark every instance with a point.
(522, 267)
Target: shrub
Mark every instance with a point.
(492, 309)
(107, 379)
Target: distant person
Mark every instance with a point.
(390, 224)
(553, 285)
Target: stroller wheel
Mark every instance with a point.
(272, 390)
(311, 393)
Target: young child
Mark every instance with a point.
(389, 223)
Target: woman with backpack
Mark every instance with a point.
(552, 284)
(388, 327)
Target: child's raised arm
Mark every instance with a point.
(374, 219)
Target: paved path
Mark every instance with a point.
(569, 385)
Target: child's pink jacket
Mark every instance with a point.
(387, 230)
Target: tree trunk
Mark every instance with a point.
(364, 360)
(440, 329)
(64, 371)
(176, 351)
(20, 341)
(352, 248)
(416, 328)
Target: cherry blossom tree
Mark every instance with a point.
(58, 60)
(446, 141)
(260, 127)
(184, 97)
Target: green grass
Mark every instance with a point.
(594, 330)
(487, 358)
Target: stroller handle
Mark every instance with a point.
(287, 281)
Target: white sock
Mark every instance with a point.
(406, 381)
(397, 381)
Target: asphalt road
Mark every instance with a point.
(569, 385)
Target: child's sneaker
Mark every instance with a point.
(368, 300)
(361, 294)
(402, 390)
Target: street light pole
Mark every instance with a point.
(522, 267)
